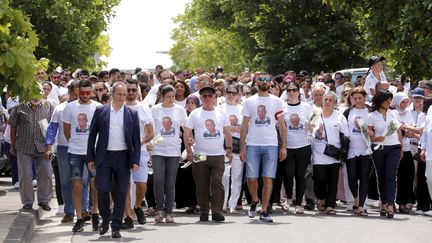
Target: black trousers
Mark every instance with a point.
(58, 191)
(325, 183)
(405, 180)
(358, 170)
(115, 169)
(296, 163)
(424, 202)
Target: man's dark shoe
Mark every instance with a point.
(140, 215)
(95, 221)
(218, 217)
(27, 207)
(44, 206)
(86, 216)
(310, 205)
(204, 217)
(104, 227)
(115, 234)
(252, 210)
(79, 226)
(128, 223)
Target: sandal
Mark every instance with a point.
(383, 212)
(390, 213)
(362, 212)
(330, 211)
(284, 205)
(320, 205)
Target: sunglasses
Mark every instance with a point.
(131, 90)
(231, 92)
(85, 93)
(99, 90)
(207, 96)
(292, 90)
(55, 77)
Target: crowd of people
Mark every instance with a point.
(206, 141)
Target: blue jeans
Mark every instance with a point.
(78, 162)
(267, 155)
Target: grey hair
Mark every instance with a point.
(333, 95)
(117, 84)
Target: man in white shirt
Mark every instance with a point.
(76, 133)
(261, 113)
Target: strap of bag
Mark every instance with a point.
(325, 130)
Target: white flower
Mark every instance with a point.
(158, 139)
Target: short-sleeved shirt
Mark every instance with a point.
(296, 117)
(29, 137)
(79, 117)
(208, 127)
(167, 123)
(358, 145)
(376, 120)
(262, 111)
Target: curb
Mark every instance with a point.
(22, 227)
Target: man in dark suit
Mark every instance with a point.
(117, 152)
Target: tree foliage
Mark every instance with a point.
(271, 35)
(18, 64)
(69, 31)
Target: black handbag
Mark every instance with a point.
(330, 149)
(235, 145)
(345, 141)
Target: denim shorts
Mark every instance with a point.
(77, 163)
(266, 155)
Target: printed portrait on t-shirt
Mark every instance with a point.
(82, 123)
(356, 128)
(262, 118)
(233, 121)
(211, 132)
(167, 129)
(295, 123)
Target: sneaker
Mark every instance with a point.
(60, 210)
(233, 211)
(428, 213)
(140, 215)
(265, 217)
(16, 185)
(79, 226)
(169, 219)
(85, 216)
(67, 219)
(128, 223)
(34, 183)
(159, 217)
(218, 217)
(95, 222)
(419, 212)
(252, 210)
(299, 209)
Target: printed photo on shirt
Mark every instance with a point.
(82, 124)
(262, 118)
(211, 132)
(234, 121)
(356, 128)
(167, 129)
(295, 123)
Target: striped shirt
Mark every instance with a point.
(29, 138)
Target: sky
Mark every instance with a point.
(139, 30)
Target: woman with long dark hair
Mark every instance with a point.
(387, 148)
(182, 92)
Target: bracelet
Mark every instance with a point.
(228, 148)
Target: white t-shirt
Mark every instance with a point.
(208, 126)
(181, 103)
(406, 118)
(376, 120)
(358, 145)
(79, 116)
(234, 115)
(296, 118)
(334, 124)
(167, 122)
(261, 111)
(144, 116)
(371, 82)
(57, 117)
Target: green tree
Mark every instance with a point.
(68, 30)
(278, 35)
(18, 64)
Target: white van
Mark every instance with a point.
(355, 72)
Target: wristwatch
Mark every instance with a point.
(228, 148)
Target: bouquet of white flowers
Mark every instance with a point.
(197, 157)
(313, 122)
(158, 139)
(365, 135)
(391, 128)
